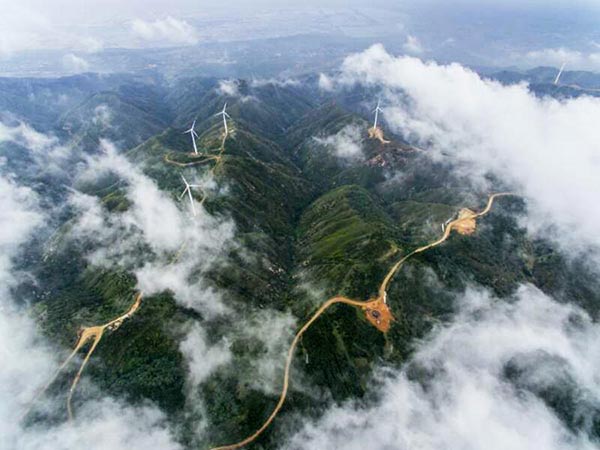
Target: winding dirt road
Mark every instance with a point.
(207, 156)
(86, 334)
(168, 159)
(376, 310)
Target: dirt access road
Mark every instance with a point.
(376, 310)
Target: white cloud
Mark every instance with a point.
(26, 361)
(19, 216)
(575, 60)
(346, 143)
(202, 358)
(279, 82)
(231, 88)
(165, 31)
(325, 82)
(100, 425)
(545, 148)
(465, 399)
(182, 247)
(23, 363)
(413, 45)
(75, 64)
(228, 87)
(275, 330)
(26, 136)
(102, 116)
(49, 155)
(482, 375)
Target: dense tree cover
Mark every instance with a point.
(306, 218)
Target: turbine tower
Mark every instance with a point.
(225, 115)
(188, 191)
(556, 80)
(194, 136)
(377, 110)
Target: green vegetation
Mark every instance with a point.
(308, 226)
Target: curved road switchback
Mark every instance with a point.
(465, 223)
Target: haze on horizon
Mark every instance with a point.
(495, 33)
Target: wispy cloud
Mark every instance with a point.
(275, 330)
(325, 83)
(203, 359)
(346, 143)
(180, 247)
(47, 152)
(413, 45)
(26, 361)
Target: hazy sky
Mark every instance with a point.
(94, 24)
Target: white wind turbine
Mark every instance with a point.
(225, 115)
(377, 110)
(194, 136)
(188, 190)
(556, 80)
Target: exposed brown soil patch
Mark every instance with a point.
(377, 133)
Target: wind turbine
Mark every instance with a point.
(194, 135)
(188, 190)
(559, 73)
(225, 115)
(377, 110)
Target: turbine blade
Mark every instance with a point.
(183, 193)
(557, 79)
(192, 202)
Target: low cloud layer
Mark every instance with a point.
(544, 148)
(160, 240)
(27, 360)
(481, 375)
(484, 379)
